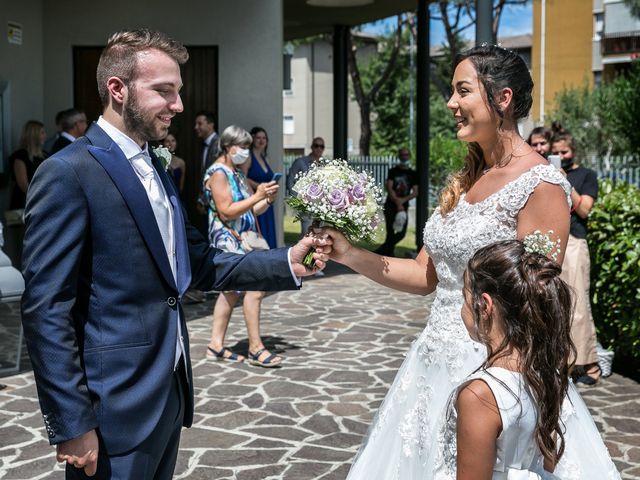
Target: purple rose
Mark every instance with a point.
(357, 192)
(313, 193)
(338, 200)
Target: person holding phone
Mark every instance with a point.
(577, 264)
(259, 171)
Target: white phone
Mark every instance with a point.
(555, 160)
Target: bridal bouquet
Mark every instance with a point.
(336, 195)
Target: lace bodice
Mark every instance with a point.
(453, 239)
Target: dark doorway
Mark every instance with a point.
(200, 92)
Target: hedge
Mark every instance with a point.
(614, 244)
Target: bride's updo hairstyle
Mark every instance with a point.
(534, 306)
(497, 68)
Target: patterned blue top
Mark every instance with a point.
(219, 235)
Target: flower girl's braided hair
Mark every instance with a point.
(534, 306)
(497, 68)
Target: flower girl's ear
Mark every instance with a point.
(488, 305)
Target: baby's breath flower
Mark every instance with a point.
(538, 242)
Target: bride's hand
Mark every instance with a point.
(341, 245)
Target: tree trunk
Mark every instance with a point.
(365, 128)
(365, 99)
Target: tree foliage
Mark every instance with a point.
(634, 7)
(379, 71)
(604, 120)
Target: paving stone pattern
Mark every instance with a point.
(343, 338)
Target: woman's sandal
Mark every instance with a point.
(233, 357)
(269, 362)
(590, 375)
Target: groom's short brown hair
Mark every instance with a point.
(118, 59)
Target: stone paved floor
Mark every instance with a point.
(343, 338)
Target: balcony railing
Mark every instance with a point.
(619, 43)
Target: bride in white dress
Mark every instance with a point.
(504, 191)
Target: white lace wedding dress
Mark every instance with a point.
(403, 441)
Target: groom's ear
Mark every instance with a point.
(117, 90)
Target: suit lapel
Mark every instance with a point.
(109, 155)
(183, 270)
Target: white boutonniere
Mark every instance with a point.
(164, 155)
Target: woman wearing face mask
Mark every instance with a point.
(577, 264)
(232, 210)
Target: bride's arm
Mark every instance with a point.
(408, 275)
(547, 209)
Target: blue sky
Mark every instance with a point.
(515, 20)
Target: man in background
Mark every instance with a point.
(74, 124)
(401, 186)
(301, 165)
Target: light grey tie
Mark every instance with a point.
(157, 198)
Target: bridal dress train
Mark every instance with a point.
(405, 441)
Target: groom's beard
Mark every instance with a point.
(139, 123)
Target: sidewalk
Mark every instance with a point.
(343, 338)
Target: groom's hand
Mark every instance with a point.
(322, 244)
(80, 452)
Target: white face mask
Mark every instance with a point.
(240, 156)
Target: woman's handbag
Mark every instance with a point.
(251, 240)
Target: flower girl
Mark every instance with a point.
(505, 420)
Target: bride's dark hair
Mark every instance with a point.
(497, 68)
(534, 305)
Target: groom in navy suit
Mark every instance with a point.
(108, 256)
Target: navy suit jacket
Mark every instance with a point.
(100, 301)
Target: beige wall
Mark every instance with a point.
(248, 34)
(21, 65)
(568, 37)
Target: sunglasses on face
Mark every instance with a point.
(317, 145)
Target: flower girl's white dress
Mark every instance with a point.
(404, 442)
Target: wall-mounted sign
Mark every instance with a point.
(14, 33)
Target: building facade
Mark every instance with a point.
(576, 43)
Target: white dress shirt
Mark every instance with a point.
(157, 198)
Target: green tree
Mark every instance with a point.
(620, 108)
(634, 7)
(604, 120)
(367, 85)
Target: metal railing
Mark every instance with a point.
(376, 165)
(625, 168)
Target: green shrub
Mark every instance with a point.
(614, 243)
